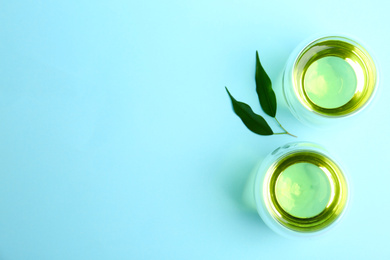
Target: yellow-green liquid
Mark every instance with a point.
(305, 191)
(334, 77)
(331, 82)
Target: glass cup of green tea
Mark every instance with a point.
(329, 78)
(300, 190)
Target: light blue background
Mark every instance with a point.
(118, 140)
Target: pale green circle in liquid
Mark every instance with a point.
(303, 190)
(330, 82)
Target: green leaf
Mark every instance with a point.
(254, 122)
(264, 89)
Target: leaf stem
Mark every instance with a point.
(285, 131)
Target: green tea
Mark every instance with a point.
(330, 82)
(334, 77)
(305, 191)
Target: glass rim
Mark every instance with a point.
(343, 38)
(264, 204)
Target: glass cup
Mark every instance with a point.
(329, 78)
(300, 190)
